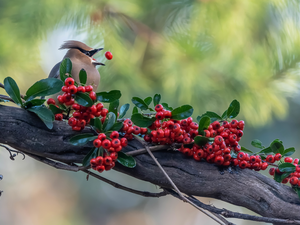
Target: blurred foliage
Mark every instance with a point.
(204, 53)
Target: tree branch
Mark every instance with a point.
(25, 132)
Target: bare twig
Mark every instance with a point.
(152, 149)
(76, 168)
(119, 186)
(12, 156)
(229, 214)
(175, 187)
(6, 98)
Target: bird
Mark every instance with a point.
(81, 57)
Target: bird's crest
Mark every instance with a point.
(75, 44)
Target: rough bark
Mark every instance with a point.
(25, 132)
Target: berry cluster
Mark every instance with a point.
(112, 146)
(293, 178)
(128, 129)
(224, 142)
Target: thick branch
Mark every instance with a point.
(25, 132)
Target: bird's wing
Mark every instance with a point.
(55, 71)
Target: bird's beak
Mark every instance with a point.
(95, 62)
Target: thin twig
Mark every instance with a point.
(119, 186)
(229, 214)
(152, 149)
(12, 157)
(174, 186)
(6, 98)
(76, 168)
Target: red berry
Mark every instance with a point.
(114, 156)
(81, 89)
(272, 171)
(88, 88)
(241, 156)
(93, 162)
(93, 95)
(158, 108)
(72, 121)
(106, 144)
(294, 180)
(270, 159)
(243, 164)
(144, 130)
(170, 124)
(239, 133)
(114, 134)
(189, 120)
(136, 130)
(160, 115)
(241, 125)
(69, 81)
(206, 133)
(72, 89)
(176, 127)
(298, 168)
(167, 114)
(104, 112)
(194, 125)
(119, 148)
(216, 125)
(218, 140)
(100, 169)
(76, 128)
(234, 123)
(107, 160)
(219, 160)
(264, 166)
(97, 143)
(186, 151)
(99, 107)
(99, 160)
(102, 136)
(115, 143)
(232, 137)
(58, 116)
(288, 159)
(51, 101)
(65, 89)
(60, 99)
(296, 160)
(285, 180)
(108, 55)
(277, 156)
(227, 157)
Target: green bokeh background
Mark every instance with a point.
(204, 53)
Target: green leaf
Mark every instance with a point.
(92, 154)
(82, 76)
(233, 109)
(65, 67)
(82, 139)
(257, 144)
(83, 99)
(148, 100)
(289, 151)
(204, 123)
(213, 116)
(266, 150)
(44, 113)
(224, 115)
(44, 87)
(109, 121)
(279, 177)
(108, 96)
(139, 103)
(287, 167)
(182, 112)
(142, 121)
(200, 140)
(54, 109)
(166, 106)
(34, 102)
(156, 99)
(62, 107)
(97, 124)
(126, 160)
(124, 108)
(297, 189)
(117, 126)
(135, 110)
(12, 90)
(243, 149)
(277, 146)
(113, 107)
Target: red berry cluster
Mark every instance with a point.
(293, 178)
(165, 130)
(70, 89)
(82, 115)
(112, 146)
(128, 129)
